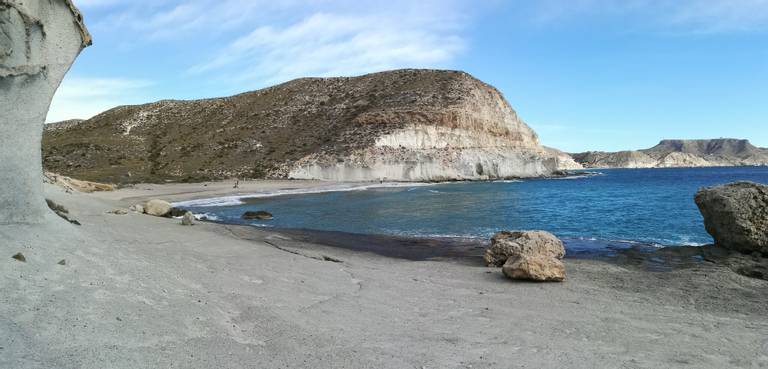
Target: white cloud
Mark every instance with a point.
(82, 98)
(326, 44)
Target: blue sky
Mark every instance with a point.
(585, 74)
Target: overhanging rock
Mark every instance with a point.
(39, 41)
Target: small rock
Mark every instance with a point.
(137, 208)
(62, 262)
(158, 208)
(20, 257)
(118, 212)
(188, 219)
(257, 215)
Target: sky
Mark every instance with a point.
(585, 74)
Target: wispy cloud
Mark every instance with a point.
(268, 41)
(688, 16)
(82, 98)
(334, 44)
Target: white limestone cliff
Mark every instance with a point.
(39, 41)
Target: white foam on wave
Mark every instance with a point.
(207, 216)
(234, 200)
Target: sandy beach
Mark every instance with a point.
(145, 292)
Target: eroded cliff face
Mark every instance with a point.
(680, 153)
(405, 125)
(39, 40)
(478, 136)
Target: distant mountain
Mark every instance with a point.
(405, 125)
(680, 153)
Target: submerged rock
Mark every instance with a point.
(158, 208)
(507, 244)
(736, 215)
(257, 215)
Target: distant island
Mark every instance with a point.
(403, 125)
(680, 153)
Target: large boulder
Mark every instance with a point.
(158, 208)
(736, 215)
(529, 255)
(535, 267)
(506, 244)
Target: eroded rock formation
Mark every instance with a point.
(39, 40)
(406, 125)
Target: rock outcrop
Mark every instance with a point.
(530, 255)
(736, 215)
(680, 153)
(39, 40)
(405, 125)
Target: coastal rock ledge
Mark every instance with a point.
(528, 255)
(736, 215)
(403, 125)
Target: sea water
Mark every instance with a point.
(608, 208)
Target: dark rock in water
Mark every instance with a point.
(736, 215)
(257, 215)
(20, 257)
(62, 262)
(753, 266)
(177, 212)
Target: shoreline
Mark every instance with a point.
(415, 248)
(142, 291)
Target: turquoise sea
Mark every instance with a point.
(611, 208)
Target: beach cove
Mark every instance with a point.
(141, 291)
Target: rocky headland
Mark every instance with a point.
(680, 153)
(404, 125)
